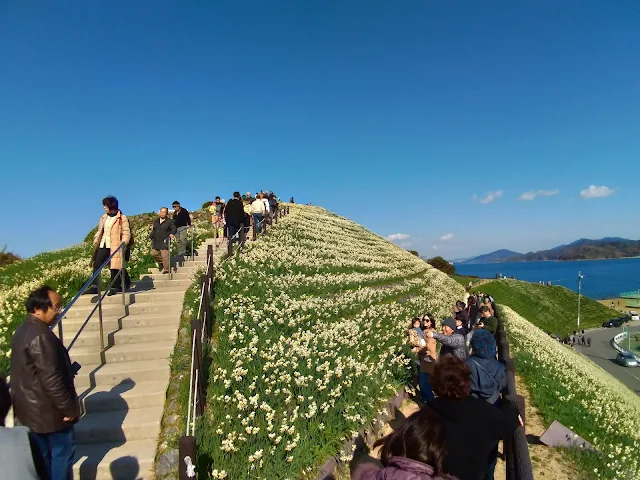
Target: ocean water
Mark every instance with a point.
(602, 278)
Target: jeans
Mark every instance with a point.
(58, 450)
(493, 460)
(257, 218)
(426, 392)
(181, 238)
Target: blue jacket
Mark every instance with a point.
(488, 378)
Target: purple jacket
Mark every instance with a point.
(400, 468)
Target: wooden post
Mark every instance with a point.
(255, 231)
(243, 235)
(186, 448)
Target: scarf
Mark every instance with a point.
(420, 332)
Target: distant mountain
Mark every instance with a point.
(585, 249)
(493, 257)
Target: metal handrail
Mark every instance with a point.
(97, 274)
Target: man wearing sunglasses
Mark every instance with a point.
(42, 385)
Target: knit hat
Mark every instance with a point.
(483, 344)
(449, 322)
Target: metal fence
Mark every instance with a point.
(516, 448)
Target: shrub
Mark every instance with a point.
(442, 265)
(7, 258)
(206, 205)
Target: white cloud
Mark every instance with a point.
(394, 237)
(528, 196)
(435, 247)
(490, 197)
(446, 237)
(596, 192)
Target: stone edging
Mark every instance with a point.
(365, 436)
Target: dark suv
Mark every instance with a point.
(614, 323)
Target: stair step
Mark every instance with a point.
(185, 269)
(139, 335)
(113, 460)
(122, 353)
(142, 292)
(117, 311)
(111, 324)
(119, 425)
(176, 276)
(115, 373)
(125, 395)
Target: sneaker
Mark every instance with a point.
(164, 272)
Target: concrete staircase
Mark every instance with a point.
(123, 388)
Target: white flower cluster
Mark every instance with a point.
(612, 422)
(310, 341)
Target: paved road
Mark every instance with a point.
(602, 353)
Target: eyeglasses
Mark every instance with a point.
(57, 309)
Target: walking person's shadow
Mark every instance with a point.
(125, 468)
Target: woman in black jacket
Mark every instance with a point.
(473, 427)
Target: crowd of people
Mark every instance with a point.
(246, 210)
(455, 434)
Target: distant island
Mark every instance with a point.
(583, 249)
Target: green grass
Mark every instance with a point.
(554, 309)
(463, 280)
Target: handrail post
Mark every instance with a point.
(100, 310)
(243, 235)
(170, 271)
(123, 270)
(193, 234)
(229, 244)
(60, 331)
(255, 229)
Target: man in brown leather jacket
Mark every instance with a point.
(44, 395)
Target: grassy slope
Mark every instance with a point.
(551, 308)
(324, 301)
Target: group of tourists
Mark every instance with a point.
(243, 211)
(455, 434)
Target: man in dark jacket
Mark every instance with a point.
(163, 229)
(42, 387)
(234, 214)
(183, 221)
(487, 321)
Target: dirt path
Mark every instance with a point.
(548, 463)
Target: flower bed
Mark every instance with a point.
(309, 343)
(568, 387)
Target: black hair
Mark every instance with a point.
(110, 202)
(5, 400)
(39, 299)
(484, 308)
(421, 438)
(175, 202)
(217, 198)
(236, 194)
(460, 303)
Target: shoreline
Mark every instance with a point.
(559, 261)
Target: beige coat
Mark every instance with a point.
(118, 235)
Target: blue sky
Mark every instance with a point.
(401, 116)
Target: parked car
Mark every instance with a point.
(635, 317)
(613, 323)
(626, 359)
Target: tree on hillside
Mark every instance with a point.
(413, 252)
(206, 205)
(442, 265)
(7, 258)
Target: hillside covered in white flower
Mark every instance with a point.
(309, 343)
